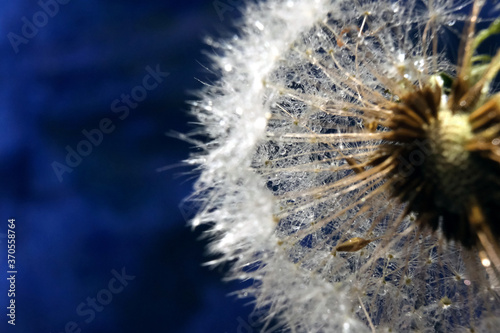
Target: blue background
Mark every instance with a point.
(114, 210)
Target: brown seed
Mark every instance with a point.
(352, 245)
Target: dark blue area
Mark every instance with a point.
(114, 211)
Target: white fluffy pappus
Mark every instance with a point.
(327, 126)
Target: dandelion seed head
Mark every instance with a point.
(351, 170)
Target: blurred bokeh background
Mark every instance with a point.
(66, 66)
(81, 221)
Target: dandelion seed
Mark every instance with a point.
(353, 171)
(353, 245)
